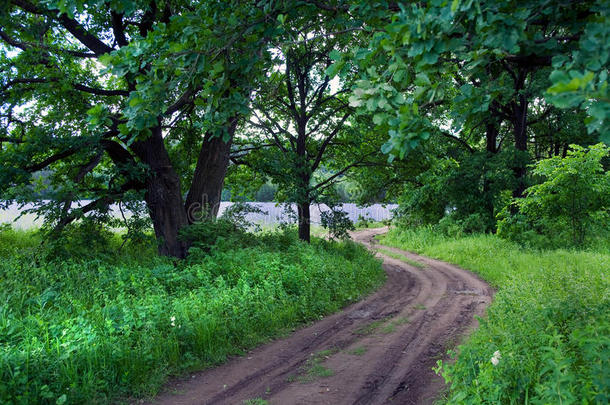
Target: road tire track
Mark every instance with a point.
(379, 350)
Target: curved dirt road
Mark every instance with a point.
(379, 350)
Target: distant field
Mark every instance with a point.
(273, 213)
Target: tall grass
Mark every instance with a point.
(550, 321)
(117, 324)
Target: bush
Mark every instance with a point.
(364, 222)
(84, 239)
(204, 235)
(238, 212)
(337, 223)
(570, 207)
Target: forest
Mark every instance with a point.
(487, 122)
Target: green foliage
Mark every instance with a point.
(337, 223)
(468, 60)
(549, 322)
(465, 192)
(87, 87)
(231, 228)
(569, 207)
(581, 78)
(368, 222)
(85, 239)
(237, 214)
(453, 226)
(363, 222)
(204, 235)
(96, 329)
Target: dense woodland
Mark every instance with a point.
(477, 117)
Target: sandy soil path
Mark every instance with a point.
(377, 351)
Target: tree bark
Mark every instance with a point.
(304, 176)
(520, 133)
(203, 199)
(163, 195)
(304, 221)
(491, 138)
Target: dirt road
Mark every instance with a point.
(377, 351)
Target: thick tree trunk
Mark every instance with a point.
(166, 211)
(204, 195)
(304, 221)
(163, 196)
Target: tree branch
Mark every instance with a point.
(27, 45)
(541, 117)
(327, 141)
(458, 140)
(76, 86)
(118, 28)
(52, 159)
(86, 38)
(326, 182)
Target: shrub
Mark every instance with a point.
(364, 222)
(204, 235)
(569, 207)
(84, 239)
(238, 212)
(337, 223)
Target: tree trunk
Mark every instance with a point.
(520, 132)
(163, 196)
(203, 199)
(303, 180)
(304, 221)
(491, 138)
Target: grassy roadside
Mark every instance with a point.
(95, 328)
(546, 337)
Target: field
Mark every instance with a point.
(91, 323)
(546, 337)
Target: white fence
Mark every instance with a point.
(273, 213)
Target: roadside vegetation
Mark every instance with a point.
(549, 322)
(546, 336)
(84, 322)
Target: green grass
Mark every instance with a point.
(369, 224)
(358, 351)
(391, 326)
(314, 369)
(255, 401)
(403, 258)
(92, 324)
(550, 321)
(370, 327)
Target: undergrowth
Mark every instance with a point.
(97, 328)
(546, 336)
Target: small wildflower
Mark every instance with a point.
(173, 320)
(495, 359)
